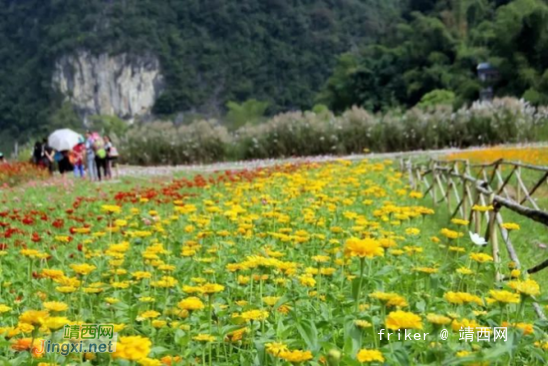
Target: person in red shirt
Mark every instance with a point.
(78, 157)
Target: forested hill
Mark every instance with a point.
(292, 54)
(211, 51)
(434, 53)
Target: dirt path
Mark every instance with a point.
(251, 164)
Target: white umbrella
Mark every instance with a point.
(64, 139)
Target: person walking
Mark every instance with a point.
(37, 153)
(64, 163)
(100, 157)
(112, 156)
(78, 155)
(48, 155)
(90, 157)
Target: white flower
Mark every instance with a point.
(476, 239)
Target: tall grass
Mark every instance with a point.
(308, 133)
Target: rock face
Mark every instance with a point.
(122, 85)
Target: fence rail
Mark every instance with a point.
(462, 185)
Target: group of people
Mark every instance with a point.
(94, 156)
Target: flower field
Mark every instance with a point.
(296, 264)
(12, 174)
(530, 155)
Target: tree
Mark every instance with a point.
(437, 97)
(65, 117)
(249, 112)
(109, 125)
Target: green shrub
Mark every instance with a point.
(318, 133)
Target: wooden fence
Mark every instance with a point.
(462, 185)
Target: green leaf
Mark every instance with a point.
(307, 330)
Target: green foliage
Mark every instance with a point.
(211, 51)
(309, 133)
(249, 112)
(109, 125)
(440, 48)
(437, 97)
(65, 117)
(320, 108)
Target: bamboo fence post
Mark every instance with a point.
(434, 181)
(518, 187)
(493, 237)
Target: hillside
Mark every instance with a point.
(210, 51)
(182, 59)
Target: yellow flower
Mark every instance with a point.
(56, 322)
(438, 319)
(111, 209)
(465, 271)
(120, 223)
(504, 296)
(456, 325)
(527, 287)
(159, 323)
(150, 314)
(307, 281)
(412, 231)
(460, 222)
(362, 324)
(271, 300)
(462, 298)
(482, 208)
(132, 348)
(55, 306)
(481, 257)
(390, 299)
(462, 353)
(34, 317)
(191, 303)
(426, 270)
(119, 327)
(450, 234)
(149, 362)
(83, 269)
(254, 315)
(403, 320)
(296, 356)
(236, 335)
(141, 274)
(510, 226)
(370, 355)
(364, 248)
(4, 308)
(211, 288)
(276, 348)
(321, 258)
(204, 338)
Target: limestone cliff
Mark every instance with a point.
(122, 85)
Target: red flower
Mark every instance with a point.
(27, 220)
(58, 223)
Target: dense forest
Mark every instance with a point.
(434, 52)
(211, 51)
(290, 54)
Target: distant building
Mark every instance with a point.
(487, 75)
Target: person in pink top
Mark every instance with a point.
(78, 157)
